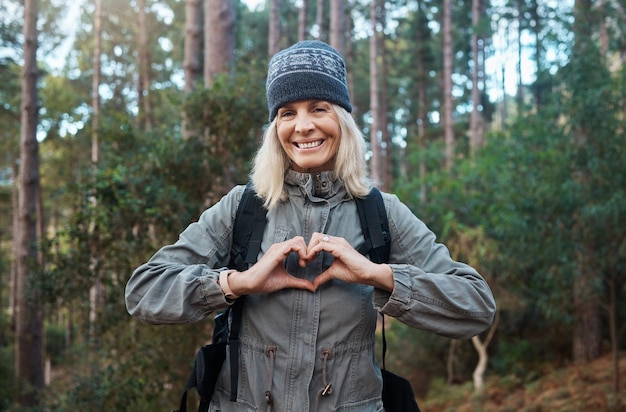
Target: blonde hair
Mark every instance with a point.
(271, 162)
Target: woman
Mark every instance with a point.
(312, 299)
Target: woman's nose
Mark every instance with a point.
(304, 124)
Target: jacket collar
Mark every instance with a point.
(322, 185)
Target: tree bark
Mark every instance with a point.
(375, 161)
(193, 39)
(274, 28)
(96, 292)
(483, 357)
(349, 57)
(319, 19)
(336, 25)
(421, 101)
(450, 362)
(192, 63)
(219, 38)
(144, 77)
(29, 349)
(587, 338)
(302, 20)
(476, 139)
(95, 83)
(520, 83)
(448, 56)
(219, 42)
(613, 320)
(386, 152)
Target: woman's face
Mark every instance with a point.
(309, 134)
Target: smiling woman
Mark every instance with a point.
(309, 298)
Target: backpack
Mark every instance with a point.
(249, 225)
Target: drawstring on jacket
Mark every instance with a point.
(328, 387)
(271, 352)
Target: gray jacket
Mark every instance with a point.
(294, 342)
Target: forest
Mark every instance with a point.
(499, 123)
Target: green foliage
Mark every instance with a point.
(144, 368)
(8, 387)
(145, 190)
(544, 191)
(55, 342)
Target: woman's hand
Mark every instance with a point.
(349, 265)
(268, 274)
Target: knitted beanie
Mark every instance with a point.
(308, 70)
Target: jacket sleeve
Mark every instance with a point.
(179, 282)
(432, 291)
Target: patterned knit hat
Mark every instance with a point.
(308, 70)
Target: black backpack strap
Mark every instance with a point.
(375, 226)
(248, 230)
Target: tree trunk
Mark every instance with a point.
(302, 20)
(96, 292)
(587, 338)
(143, 78)
(375, 162)
(386, 152)
(349, 57)
(319, 19)
(476, 140)
(336, 25)
(95, 84)
(520, 84)
(450, 362)
(219, 38)
(613, 320)
(448, 56)
(421, 101)
(192, 63)
(274, 28)
(29, 348)
(193, 40)
(219, 57)
(15, 225)
(483, 357)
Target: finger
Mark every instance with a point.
(321, 279)
(318, 242)
(304, 284)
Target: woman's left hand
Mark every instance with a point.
(349, 265)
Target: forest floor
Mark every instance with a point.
(583, 387)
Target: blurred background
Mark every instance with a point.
(500, 123)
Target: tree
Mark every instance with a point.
(144, 101)
(96, 291)
(192, 63)
(319, 19)
(274, 28)
(476, 133)
(447, 120)
(587, 337)
(375, 107)
(302, 20)
(337, 27)
(29, 325)
(219, 38)
(421, 98)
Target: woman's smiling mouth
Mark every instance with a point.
(308, 145)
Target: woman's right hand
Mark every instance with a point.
(268, 274)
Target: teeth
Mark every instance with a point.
(309, 145)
